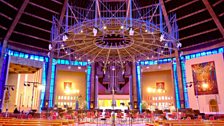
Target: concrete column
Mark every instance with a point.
(131, 90)
(3, 51)
(49, 72)
(134, 84)
(96, 92)
(180, 82)
(92, 94)
(3, 78)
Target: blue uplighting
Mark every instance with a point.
(52, 83)
(44, 82)
(88, 86)
(177, 94)
(184, 81)
(139, 95)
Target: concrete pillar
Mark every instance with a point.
(92, 94)
(134, 85)
(49, 73)
(3, 69)
(180, 82)
(96, 92)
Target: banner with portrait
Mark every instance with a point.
(204, 78)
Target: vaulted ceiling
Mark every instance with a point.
(197, 24)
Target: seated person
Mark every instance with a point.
(16, 111)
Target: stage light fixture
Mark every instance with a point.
(64, 37)
(104, 27)
(50, 47)
(122, 27)
(162, 38)
(131, 32)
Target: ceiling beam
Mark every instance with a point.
(165, 16)
(2, 27)
(196, 12)
(56, 1)
(63, 11)
(44, 8)
(38, 17)
(191, 14)
(200, 33)
(35, 27)
(184, 5)
(5, 16)
(27, 50)
(195, 24)
(218, 2)
(214, 17)
(8, 4)
(16, 20)
(31, 36)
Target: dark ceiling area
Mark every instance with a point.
(196, 24)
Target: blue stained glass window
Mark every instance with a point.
(16, 54)
(36, 57)
(214, 51)
(26, 56)
(142, 63)
(66, 62)
(198, 54)
(209, 53)
(203, 54)
(62, 61)
(220, 50)
(187, 57)
(21, 55)
(192, 56)
(31, 57)
(76, 63)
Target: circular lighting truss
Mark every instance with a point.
(115, 38)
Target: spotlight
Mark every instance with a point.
(94, 31)
(104, 27)
(166, 45)
(122, 27)
(162, 38)
(181, 53)
(81, 31)
(64, 37)
(113, 68)
(122, 72)
(146, 30)
(147, 67)
(48, 54)
(131, 32)
(50, 47)
(179, 45)
(79, 67)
